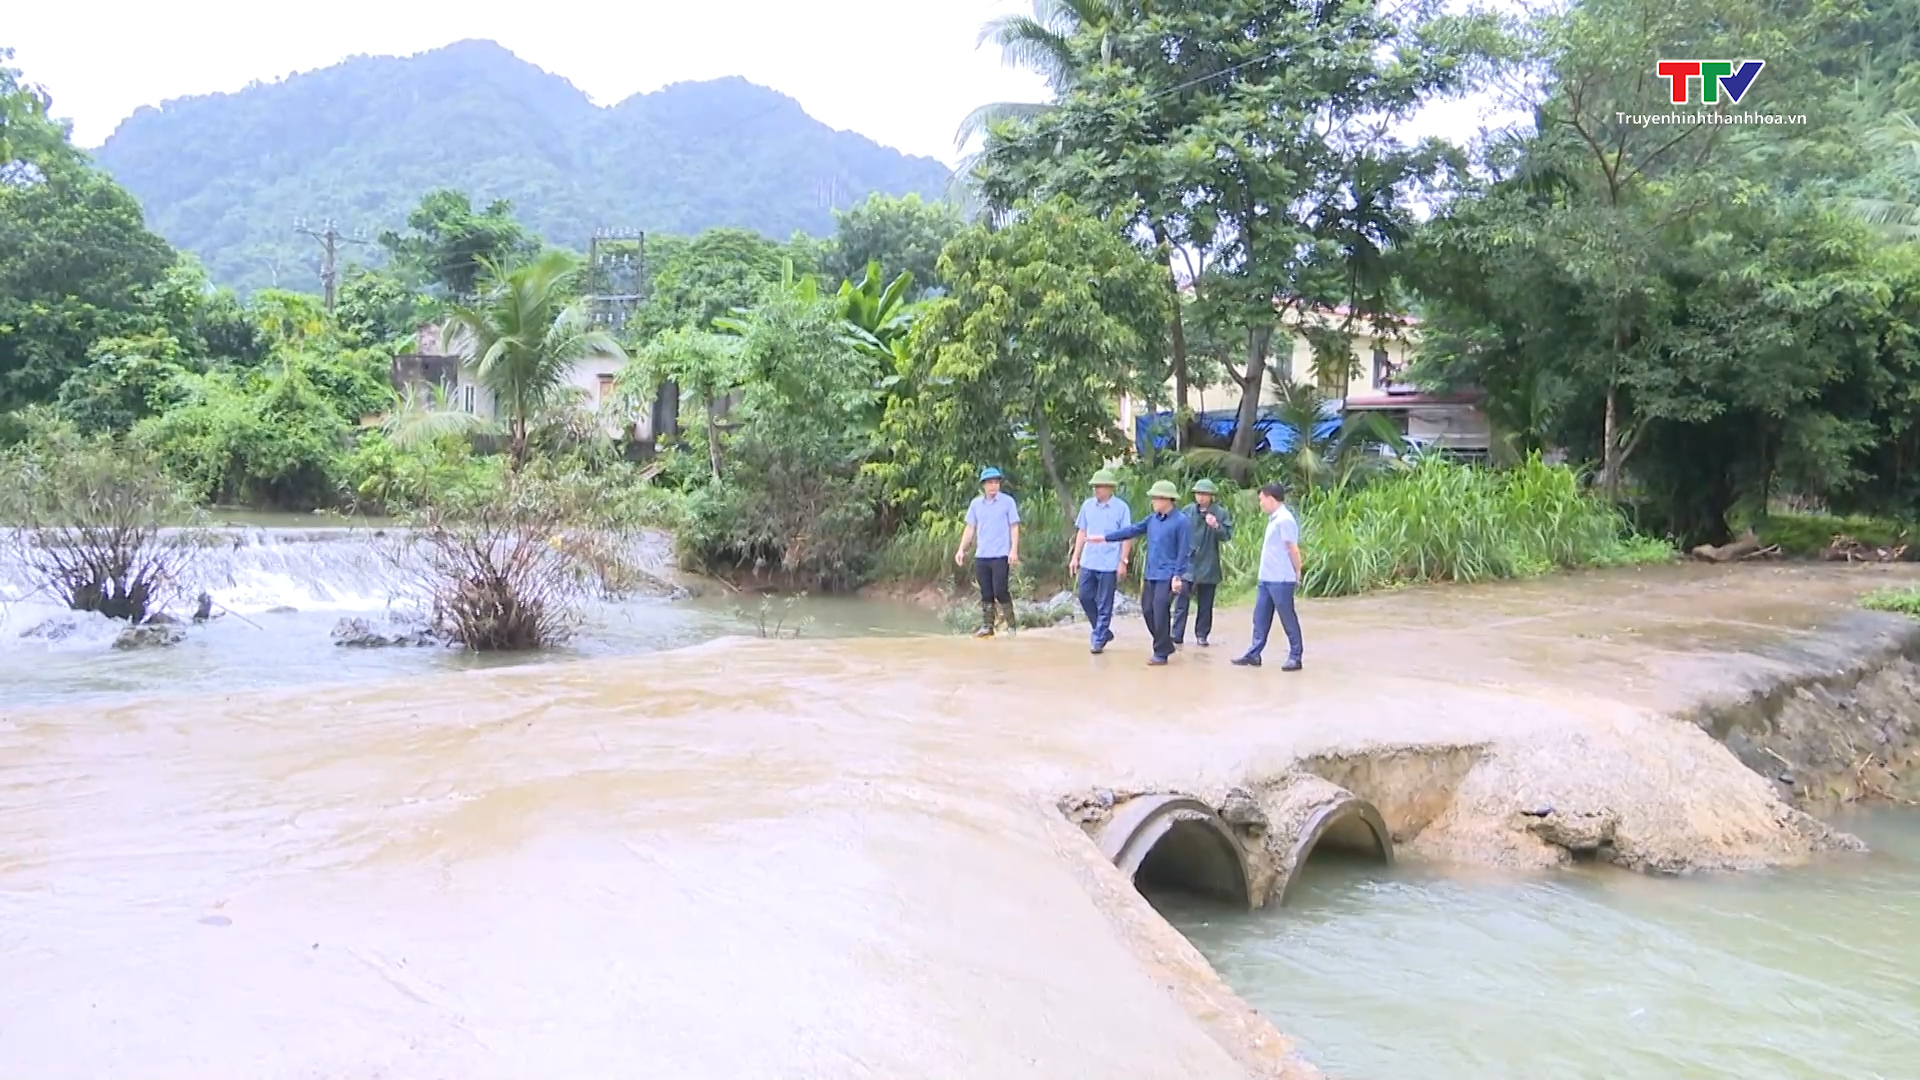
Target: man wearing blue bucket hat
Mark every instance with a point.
(994, 520)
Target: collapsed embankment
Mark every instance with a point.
(1836, 721)
(1841, 726)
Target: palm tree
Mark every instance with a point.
(1041, 43)
(423, 414)
(1896, 144)
(523, 337)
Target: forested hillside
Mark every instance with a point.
(226, 175)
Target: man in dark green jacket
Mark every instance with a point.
(1211, 527)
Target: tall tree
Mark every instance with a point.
(696, 281)
(76, 259)
(1047, 321)
(904, 235)
(1249, 139)
(449, 246)
(523, 337)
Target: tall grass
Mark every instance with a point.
(1432, 521)
(1437, 521)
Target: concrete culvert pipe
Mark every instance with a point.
(1312, 816)
(1177, 843)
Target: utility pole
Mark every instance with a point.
(330, 240)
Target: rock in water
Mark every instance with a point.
(362, 634)
(55, 629)
(149, 637)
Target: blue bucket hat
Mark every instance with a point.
(989, 473)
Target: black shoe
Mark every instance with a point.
(1157, 661)
(1246, 661)
(1107, 640)
(1177, 642)
(1291, 665)
(1201, 641)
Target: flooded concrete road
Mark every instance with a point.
(805, 859)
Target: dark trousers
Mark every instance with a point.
(1275, 596)
(992, 575)
(1202, 617)
(1096, 600)
(1156, 605)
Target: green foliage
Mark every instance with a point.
(76, 262)
(364, 141)
(1805, 536)
(1901, 600)
(449, 247)
(1250, 138)
(377, 308)
(522, 338)
(1442, 522)
(793, 503)
(90, 516)
(266, 439)
(904, 235)
(387, 478)
(1047, 322)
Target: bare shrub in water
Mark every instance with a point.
(89, 519)
(513, 570)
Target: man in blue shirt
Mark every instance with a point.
(1100, 566)
(1169, 563)
(1279, 580)
(994, 520)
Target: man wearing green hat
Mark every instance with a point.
(1099, 566)
(1169, 563)
(994, 519)
(1211, 526)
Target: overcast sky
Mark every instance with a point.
(902, 72)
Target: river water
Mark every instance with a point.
(282, 590)
(1412, 974)
(431, 835)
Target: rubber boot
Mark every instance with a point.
(986, 621)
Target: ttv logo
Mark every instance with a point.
(1715, 76)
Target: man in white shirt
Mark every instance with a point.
(1279, 580)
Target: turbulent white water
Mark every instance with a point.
(280, 592)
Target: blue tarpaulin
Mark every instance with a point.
(1155, 430)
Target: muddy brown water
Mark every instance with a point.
(832, 858)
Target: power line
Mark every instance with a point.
(330, 240)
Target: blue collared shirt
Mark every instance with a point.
(1276, 562)
(1169, 544)
(993, 521)
(1098, 519)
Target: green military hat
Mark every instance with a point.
(1163, 489)
(1205, 487)
(1105, 478)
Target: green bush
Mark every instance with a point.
(382, 478)
(1438, 521)
(252, 439)
(1807, 535)
(1904, 600)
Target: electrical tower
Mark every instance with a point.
(330, 240)
(617, 277)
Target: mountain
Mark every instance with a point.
(226, 175)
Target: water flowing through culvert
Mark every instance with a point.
(1406, 974)
(279, 593)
